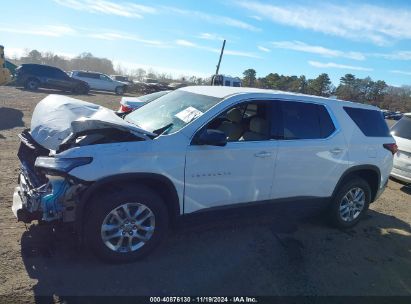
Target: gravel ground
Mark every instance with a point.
(263, 255)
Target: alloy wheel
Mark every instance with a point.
(352, 204)
(128, 227)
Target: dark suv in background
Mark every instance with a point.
(34, 76)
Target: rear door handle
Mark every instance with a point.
(262, 154)
(336, 150)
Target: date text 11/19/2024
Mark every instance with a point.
(203, 300)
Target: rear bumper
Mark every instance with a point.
(401, 175)
(402, 167)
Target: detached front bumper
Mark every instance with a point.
(17, 202)
(25, 203)
(20, 210)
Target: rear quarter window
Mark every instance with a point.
(370, 122)
(402, 128)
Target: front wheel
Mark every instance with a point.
(32, 84)
(119, 90)
(350, 203)
(126, 225)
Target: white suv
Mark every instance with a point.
(100, 82)
(123, 181)
(401, 132)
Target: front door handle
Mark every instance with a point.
(262, 154)
(336, 150)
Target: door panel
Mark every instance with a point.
(240, 172)
(99, 84)
(312, 152)
(59, 79)
(90, 79)
(105, 83)
(309, 167)
(236, 173)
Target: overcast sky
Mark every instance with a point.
(365, 38)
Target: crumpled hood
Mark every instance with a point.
(56, 117)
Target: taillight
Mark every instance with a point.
(393, 148)
(125, 109)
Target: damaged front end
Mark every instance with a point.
(45, 191)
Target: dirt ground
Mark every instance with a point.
(241, 256)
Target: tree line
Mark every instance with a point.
(84, 61)
(362, 90)
(89, 62)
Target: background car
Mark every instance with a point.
(401, 132)
(34, 76)
(392, 115)
(121, 78)
(128, 104)
(100, 82)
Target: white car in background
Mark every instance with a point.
(128, 104)
(401, 132)
(100, 82)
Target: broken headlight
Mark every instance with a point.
(61, 164)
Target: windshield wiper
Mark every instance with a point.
(163, 129)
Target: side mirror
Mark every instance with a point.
(212, 137)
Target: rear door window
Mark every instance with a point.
(39, 71)
(370, 122)
(88, 75)
(58, 74)
(402, 128)
(302, 120)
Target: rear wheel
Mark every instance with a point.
(119, 90)
(126, 225)
(350, 203)
(32, 84)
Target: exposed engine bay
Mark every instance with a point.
(42, 195)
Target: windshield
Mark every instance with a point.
(402, 128)
(175, 110)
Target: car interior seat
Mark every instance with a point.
(257, 131)
(233, 128)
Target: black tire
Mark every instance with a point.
(335, 214)
(81, 89)
(120, 90)
(32, 84)
(105, 202)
